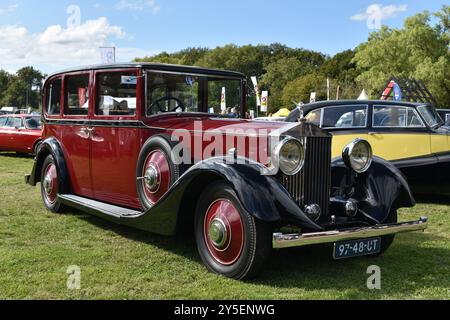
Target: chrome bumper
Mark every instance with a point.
(282, 241)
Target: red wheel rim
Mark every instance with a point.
(224, 232)
(156, 176)
(50, 183)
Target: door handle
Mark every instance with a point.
(373, 133)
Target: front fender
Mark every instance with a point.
(261, 196)
(380, 191)
(53, 147)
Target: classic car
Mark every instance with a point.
(139, 145)
(20, 133)
(410, 135)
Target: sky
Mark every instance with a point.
(51, 35)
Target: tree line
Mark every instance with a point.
(420, 49)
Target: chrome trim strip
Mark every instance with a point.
(282, 241)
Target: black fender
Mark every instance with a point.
(261, 196)
(380, 191)
(53, 147)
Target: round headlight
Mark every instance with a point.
(291, 156)
(358, 155)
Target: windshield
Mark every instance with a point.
(430, 115)
(185, 93)
(33, 123)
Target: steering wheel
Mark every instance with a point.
(157, 103)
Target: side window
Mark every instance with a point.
(315, 117)
(400, 117)
(14, 123)
(3, 121)
(116, 94)
(345, 117)
(53, 99)
(77, 95)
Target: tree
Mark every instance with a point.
(24, 89)
(419, 50)
(299, 90)
(5, 78)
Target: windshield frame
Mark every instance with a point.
(204, 79)
(25, 119)
(430, 109)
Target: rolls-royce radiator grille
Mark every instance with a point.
(312, 185)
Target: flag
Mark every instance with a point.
(258, 96)
(108, 55)
(398, 96)
(223, 99)
(265, 101)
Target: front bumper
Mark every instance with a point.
(282, 241)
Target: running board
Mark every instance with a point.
(96, 207)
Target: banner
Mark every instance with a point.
(265, 101)
(398, 95)
(258, 96)
(108, 55)
(313, 97)
(223, 100)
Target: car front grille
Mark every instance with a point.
(312, 185)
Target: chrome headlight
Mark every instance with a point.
(358, 155)
(290, 155)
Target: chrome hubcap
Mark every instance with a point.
(152, 178)
(218, 233)
(48, 184)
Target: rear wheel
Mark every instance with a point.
(50, 186)
(230, 242)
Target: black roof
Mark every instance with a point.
(307, 108)
(155, 66)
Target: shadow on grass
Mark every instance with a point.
(313, 268)
(13, 155)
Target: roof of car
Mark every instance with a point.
(154, 66)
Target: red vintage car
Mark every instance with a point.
(164, 148)
(20, 133)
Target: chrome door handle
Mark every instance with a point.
(373, 133)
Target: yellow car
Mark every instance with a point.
(412, 136)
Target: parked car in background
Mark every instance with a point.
(412, 136)
(20, 133)
(114, 137)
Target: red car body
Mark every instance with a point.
(20, 133)
(109, 149)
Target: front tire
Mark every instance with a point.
(230, 241)
(50, 186)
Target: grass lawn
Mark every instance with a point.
(37, 247)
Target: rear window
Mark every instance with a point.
(53, 99)
(77, 95)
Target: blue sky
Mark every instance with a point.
(36, 32)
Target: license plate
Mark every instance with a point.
(357, 248)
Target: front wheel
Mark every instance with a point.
(230, 241)
(387, 241)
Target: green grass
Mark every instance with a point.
(37, 247)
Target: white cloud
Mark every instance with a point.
(380, 12)
(8, 9)
(138, 5)
(60, 47)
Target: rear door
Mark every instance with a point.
(398, 133)
(75, 134)
(116, 136)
